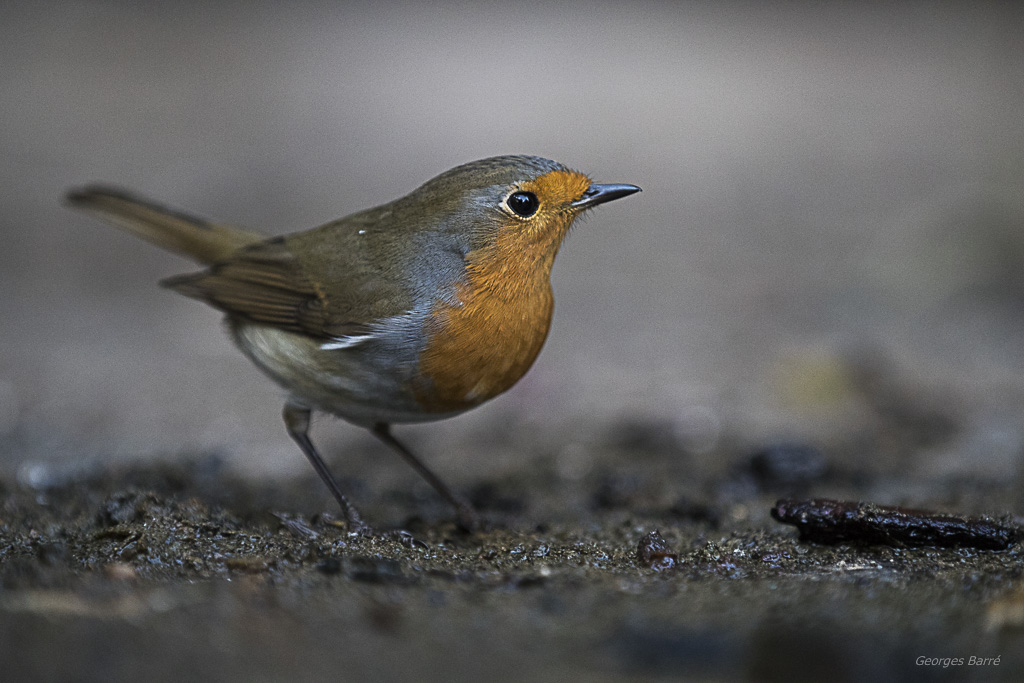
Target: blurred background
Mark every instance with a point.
(832, 203)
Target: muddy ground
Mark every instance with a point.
(183, 571)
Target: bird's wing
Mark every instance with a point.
(267, 283)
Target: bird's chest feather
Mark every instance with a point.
(481, 346)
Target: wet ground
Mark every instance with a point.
(183, 571)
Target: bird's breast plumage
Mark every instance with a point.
(481, 346)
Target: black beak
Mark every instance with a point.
(599, 194)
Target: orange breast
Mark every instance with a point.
(480, 349)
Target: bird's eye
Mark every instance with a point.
(523, 203)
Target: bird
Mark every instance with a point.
(412, 311)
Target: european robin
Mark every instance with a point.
(412, 311)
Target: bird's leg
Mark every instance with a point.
(296, 420)
(466, 514)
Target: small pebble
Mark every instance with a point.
(653, 552)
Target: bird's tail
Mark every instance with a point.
(199, 240)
